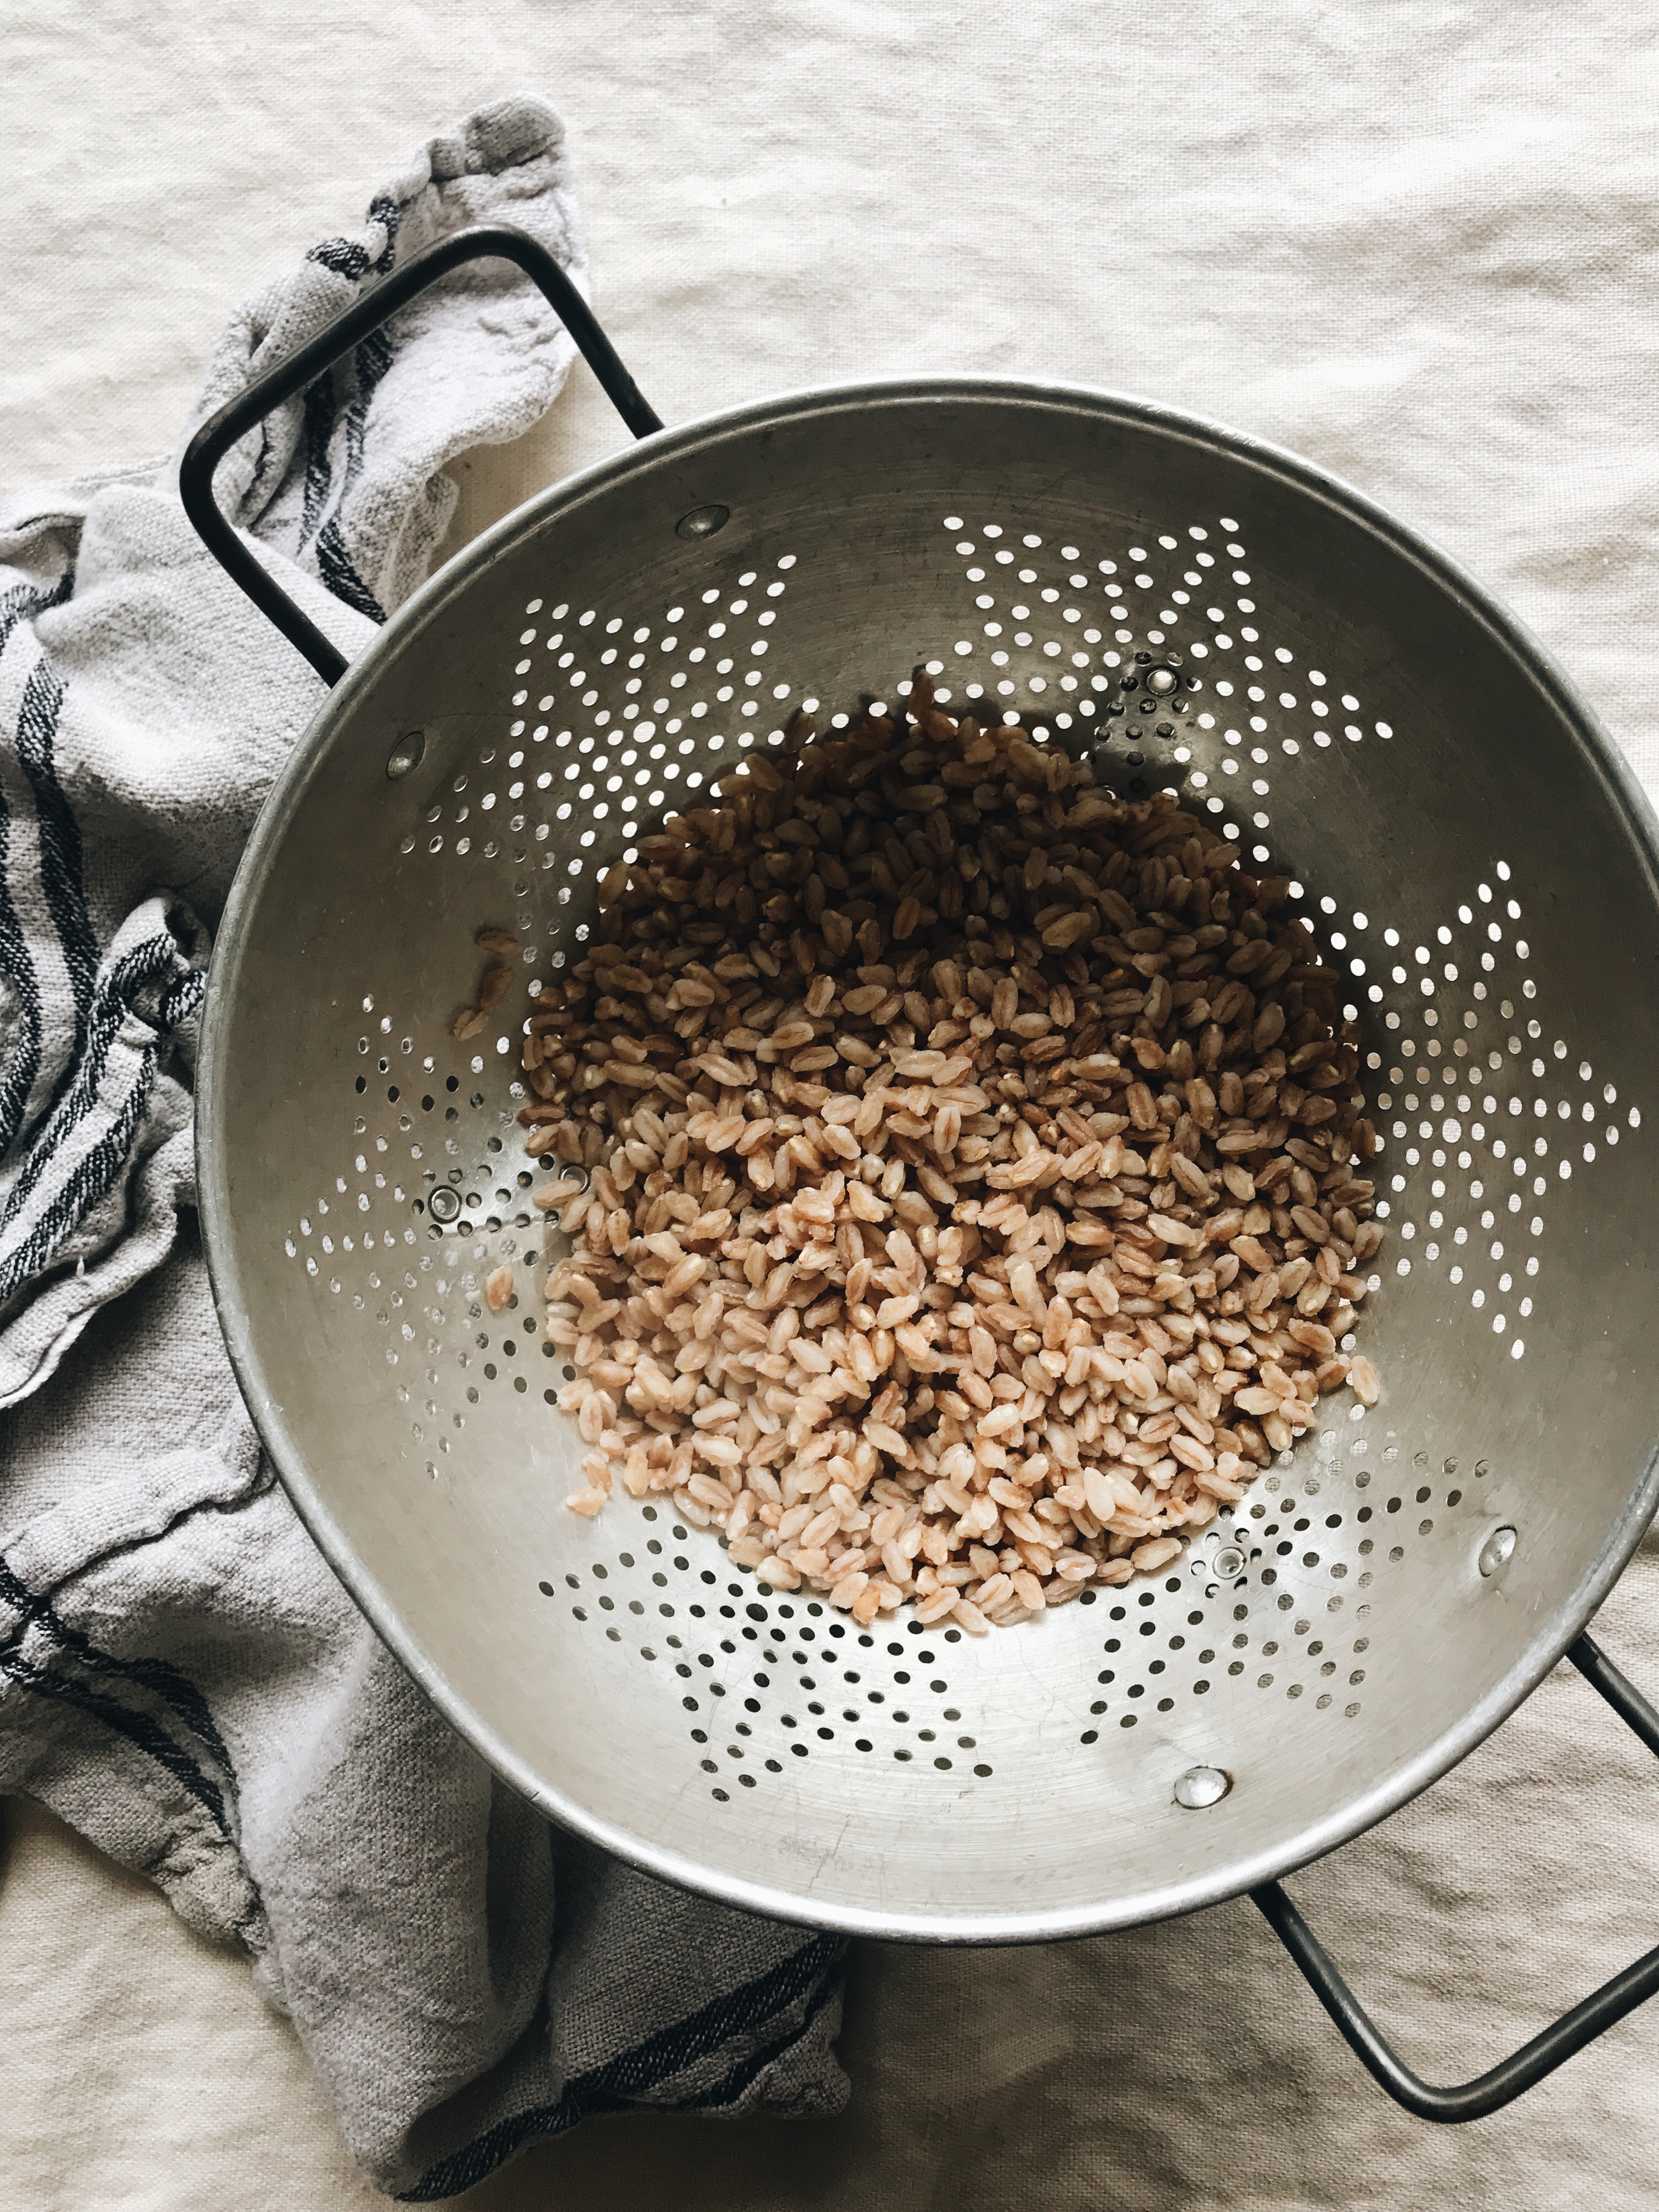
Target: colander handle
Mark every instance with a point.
(492, 241)
(1513, 2077)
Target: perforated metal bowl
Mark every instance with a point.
(1464, 837)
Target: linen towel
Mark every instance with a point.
(181, 1676)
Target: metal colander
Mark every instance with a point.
(1352, 708)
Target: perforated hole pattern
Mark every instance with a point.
(1487, 1113)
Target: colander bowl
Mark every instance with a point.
(1461, 835)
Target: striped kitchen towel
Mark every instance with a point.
(181, 1677)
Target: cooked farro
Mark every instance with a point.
(492, 984)
(974, 1198)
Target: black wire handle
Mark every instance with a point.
(1513, 2077)
(502, 241)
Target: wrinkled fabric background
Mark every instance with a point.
(1416, 239)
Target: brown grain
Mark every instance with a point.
(976, 1192)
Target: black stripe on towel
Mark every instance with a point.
(23, 1059)
(624, 2080)
(318, 415)
(143, 965)
(335, 565)
(144, 1734)
(344, 255)
(385, 211)
(157, 1677)
(99, 1168)
(60, 835)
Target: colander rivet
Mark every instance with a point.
(444, 1203)
(405, 754)
(1495, 1552)
(702, 521)
(1228, 1563)
(1202, 1785)
(1161, 680)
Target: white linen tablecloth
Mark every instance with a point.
(1413, 240)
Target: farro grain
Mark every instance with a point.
(976, 1192)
